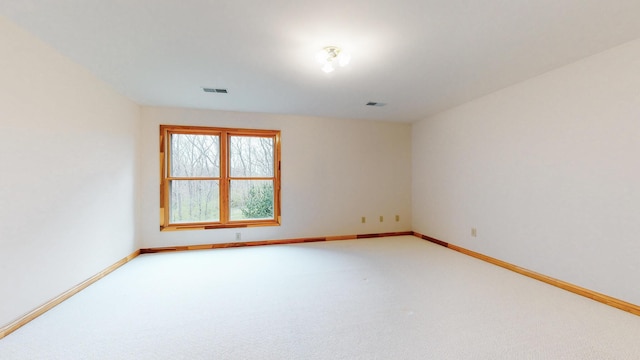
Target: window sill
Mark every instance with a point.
(201, 226)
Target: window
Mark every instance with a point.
(217, 177)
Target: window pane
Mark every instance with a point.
(251, 199)
(195, 155)
(251, 156)
(194, 201)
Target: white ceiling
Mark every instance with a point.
(417, 56)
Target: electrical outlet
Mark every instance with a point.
(474, 232)
(364, 219)
(238, 236)
(397, 217)
(381, 218)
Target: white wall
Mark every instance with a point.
(333, 173)
(67, 185)
(548, 171)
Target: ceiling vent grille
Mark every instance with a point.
(212, 90)
(373, 103)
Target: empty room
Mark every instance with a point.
(412, 179)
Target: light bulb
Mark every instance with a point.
(322, 57)
(328, 67)
(343, 59)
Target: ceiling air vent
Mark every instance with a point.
(373, 103)
(212, 90)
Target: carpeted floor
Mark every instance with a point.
(384, 298)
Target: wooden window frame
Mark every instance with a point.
(224, 178)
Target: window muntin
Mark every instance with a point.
(218, 177)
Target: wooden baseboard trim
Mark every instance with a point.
(605, 299)
(15, 325)
(368, 236)
(270, 242)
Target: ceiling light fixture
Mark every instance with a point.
(331, 56)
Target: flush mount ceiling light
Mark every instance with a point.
(332, 56)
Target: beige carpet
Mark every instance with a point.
(385, 298)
